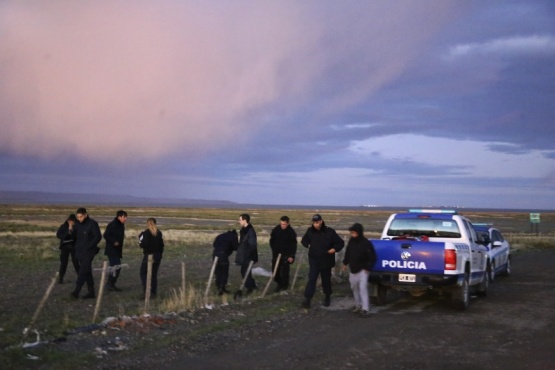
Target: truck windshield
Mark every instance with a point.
(424, 226)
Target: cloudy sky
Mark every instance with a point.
(392, 103)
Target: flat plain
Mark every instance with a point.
(185, 328)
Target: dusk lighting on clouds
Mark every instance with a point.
(294, 103)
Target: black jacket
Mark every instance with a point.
(320, 242)
(150, 243)
(115, 232)
(284, 242)
(67, 237)
(359, 254)
(87, 237)
(224, 245)
(248, 246)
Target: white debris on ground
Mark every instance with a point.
(259, 271)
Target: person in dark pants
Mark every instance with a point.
(322, 243)
(114, 236)
(67, 247)
(224, 245)
(247, 250)
(151, 242)
(283, 240)
(87, 237)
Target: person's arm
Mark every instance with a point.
(371, 256)
(292, 247)
(109, 234)
(305, 241)
(336, 242)
(97, 235)
(63, 232)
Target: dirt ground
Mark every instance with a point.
(511, 328)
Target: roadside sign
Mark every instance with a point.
(534, 218)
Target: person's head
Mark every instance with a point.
(151, 225)
(356, 230)
(71, 219)
(121, 215)
(284, 222)
(81, 214)
(244, 220)
(317, 221)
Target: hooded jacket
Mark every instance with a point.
(360, 252)
(283, 241)
(87, 237)
(319, 242)
(115, 232)
(67, 237)
(224, 245)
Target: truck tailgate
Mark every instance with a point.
(409, 256)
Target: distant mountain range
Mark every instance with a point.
(38, 197)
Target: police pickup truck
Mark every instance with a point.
(424, 250)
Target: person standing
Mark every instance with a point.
(87, 237)
(322, 243)
(224, 245)
(247, 250)
(67, 247)
(283, 240)
(152, 242)
(360, 256)
(114, 236)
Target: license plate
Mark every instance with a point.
(409, 278)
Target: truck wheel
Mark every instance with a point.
(491, 272)
(382, 295)
(460, 297)
(507, 271)
(482, 288)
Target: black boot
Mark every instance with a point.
(74, 294)
(306, 303)
(90, 294)
(327, 301)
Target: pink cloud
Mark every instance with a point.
(139, 81)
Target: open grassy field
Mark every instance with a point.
(30, 258)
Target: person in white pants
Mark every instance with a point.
(360, 258)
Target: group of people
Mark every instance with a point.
(80, 235)
(322, 242)
(79, 238)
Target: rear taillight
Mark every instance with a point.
(450, 259)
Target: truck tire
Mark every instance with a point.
(491, 271)
(460, 296)
(482, 288)
(507, 271)
(381, 299)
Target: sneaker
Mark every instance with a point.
(306, 303)
(356, 309)
(327, 301)
(364, 314)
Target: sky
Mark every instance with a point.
(324, 103)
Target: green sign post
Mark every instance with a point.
(535, 221)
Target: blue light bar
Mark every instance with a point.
(421, 210)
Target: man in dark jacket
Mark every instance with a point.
(283, 240)
(114, 236)
(247, 250)
(360, 257)
(322, 243)
(224, 245)
(87, 237)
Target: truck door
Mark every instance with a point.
(478, 253)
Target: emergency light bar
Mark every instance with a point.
(419, 210)
(485, 224)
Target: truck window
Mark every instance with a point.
(470, 231)
(424, 226)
